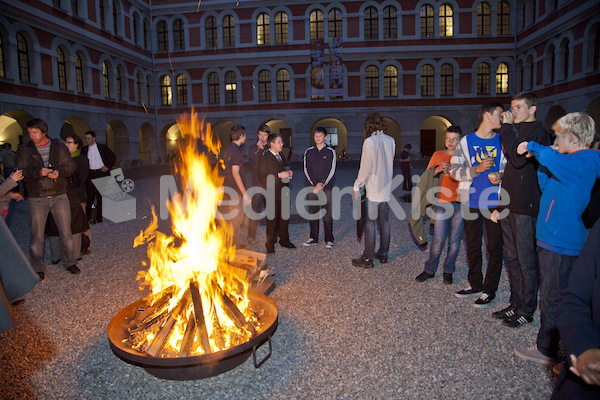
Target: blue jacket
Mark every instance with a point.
(566, 181)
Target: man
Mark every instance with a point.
(8, 158)
(476, 156)
(255, 152)
(375, 175)
(518, 228)
(102, 159)
(234, 180)
(46, 163)
(319, 168)
(405, 167)
(274, 174)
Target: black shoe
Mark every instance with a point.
(517, 321)
(362, 262)
(468, 292)
(382, 259)
(288, 245)
(74, 269)
(99, 220)
(92, 221)
(447, 279)
(484, 300)
(270, 250)
(56, 262)
(505, 313)
(423, 276)
(41, 275)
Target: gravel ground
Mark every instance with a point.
(344, 332)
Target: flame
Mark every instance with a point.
(199, 251)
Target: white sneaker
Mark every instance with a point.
(309, 242)
(329, 245)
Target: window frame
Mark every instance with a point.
(264, 86)
(371, 82)
(335, 25)
(427, 80)
(178, 34)
(214, 88)
(446, 80)
(371, 23)
(228, 31)
(166, 91)
(79, 79)
(23, 58)
(446, 21)
(390, 23)
(211, 32)
(316, 25)
(162, 32)
(484, 18)
(231, 96)
(483, 79)
(502, 79)
(281, 22)
(263, 27)
(182, 92)
(390, 81)
(283, 84)
(61, 68)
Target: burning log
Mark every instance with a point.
(188, 338)
(164, 333)
(234, 313)
(199, 317)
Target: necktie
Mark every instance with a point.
(278, 157)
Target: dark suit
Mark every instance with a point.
(108, 158)
(269, 165)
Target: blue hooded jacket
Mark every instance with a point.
(566, 181)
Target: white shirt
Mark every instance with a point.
(94, 157)
(377, 167)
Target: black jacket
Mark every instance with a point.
(520, 174)
(269, 165)
(319, 165)
(107, 155)
(30, 161)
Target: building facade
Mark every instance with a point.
(128, 69)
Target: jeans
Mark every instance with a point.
(474, 230)
(39, 207)
(554, 277)
(518, 235)
(258, 204)
(452, 225)
(327, 218)
(383, 224)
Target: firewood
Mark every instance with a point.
(161, 337)
(199, 317)
(234, 313)
(188, 338)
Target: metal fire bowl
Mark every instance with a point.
(200, 366)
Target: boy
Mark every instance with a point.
(566, 176)
(444, 224)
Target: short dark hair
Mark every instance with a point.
(320, 129)
(374, 122)
(91, 133)
(264, 128)
(40, 124)
(76, 139)
(7, 145)
(454, 129)
(272, 137)
(237, 131)
(488, 108)
(529, 97)
(408, 146)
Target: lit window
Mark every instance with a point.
(228, 31)
(281, 27)
(283, 84)
(372, 81)
(447, 80)
(262, 29)
(371, 23)
(390, 81)
(163, 36)
(79, 73)
(502, 79)
(264, 85)
(182, 90)
(230, 87)
(166, 93)
(62, 68)
(427, 80)
(390, 23)
(211, 32)
(483, 19)
(335, 23)
(426, 21)
(178, 34)
(446, 24)
(105, 80)
(316, 24)
(483, 78)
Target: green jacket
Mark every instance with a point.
(427, 181)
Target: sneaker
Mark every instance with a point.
(468, 292)
(423, 276)
(74, 269)
(533, 354)
(329, 245)
(517, 321)
(505, 313)
(362, 262)
(309, 242)
(382, 259)
(447, 279)
(484, 300)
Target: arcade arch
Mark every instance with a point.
(74, 126)
(553, 114)
(148, 147)
(117, 139)
(13, 127)
(394, 130)
(432, 132)
(337, 133)
(283, 128)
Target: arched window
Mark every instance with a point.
(390, 81)
(115, 14)
(264, 85)
(146, 30)
(446, 22)
(371, 23)
(213, 88)
(565, 58)
(136, 24)
(79, 73)
(119, 85)
(283, 84)
(210, 30)
(335, 23)
(281, 27)
(178, 34)
(138, 87)
(447, 80)
(2, 68)
(503, 21)
(426, 21)
(502, 79)
(230, 87)
(163, 36)
(105, 80)
(228, 31)
(483, 19)
(316, 24)
(166, 93)
(23, 53)
(262, 29)
(427, 80)
(61, 68)
(75, 8)
(101, 12)
(483, 78)
(182, 98)
(372, 81)
(390, 22)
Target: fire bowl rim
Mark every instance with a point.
(117, 329)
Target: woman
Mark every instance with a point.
(76, 195)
